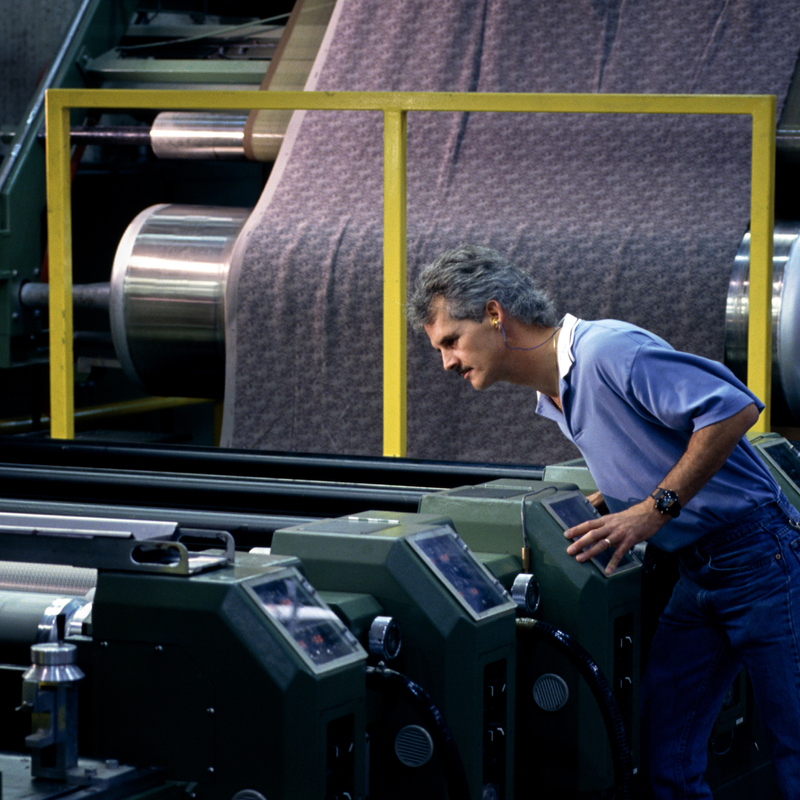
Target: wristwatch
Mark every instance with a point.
(667, 501)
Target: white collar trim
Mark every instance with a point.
(565, 341)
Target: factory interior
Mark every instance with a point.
(220, 577)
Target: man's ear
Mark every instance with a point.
(495, 311)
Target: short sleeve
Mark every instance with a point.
(684, 391)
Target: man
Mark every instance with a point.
(661, 432)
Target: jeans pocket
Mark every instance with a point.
(794, 547)
(745, 557)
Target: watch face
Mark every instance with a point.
(667, 502)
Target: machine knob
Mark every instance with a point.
(385, 638)
(53, 663)
(525, 593)
(53, 655)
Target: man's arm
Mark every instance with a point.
(707, 451)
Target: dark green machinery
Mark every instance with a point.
(738, 759)
(557, 715)
(237, 680)
(228, 675)
(458, 643)
(783, 460)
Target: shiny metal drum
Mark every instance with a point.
(211, 136)
(167, 305)
(785, 319)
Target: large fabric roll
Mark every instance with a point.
(635, 217)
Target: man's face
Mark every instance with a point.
(470, 348)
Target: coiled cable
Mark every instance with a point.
(453, 767)
(601, 690)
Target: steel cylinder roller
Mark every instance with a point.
(167, 305)
(785, 319)
(213, 136)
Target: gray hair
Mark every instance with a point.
(468, 277)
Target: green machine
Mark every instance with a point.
(574, 471)
(457, 625)
(225, 671)
(738, 756)
(783, 460)
(561, 736)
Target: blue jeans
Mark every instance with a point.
(737, 602)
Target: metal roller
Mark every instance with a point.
(20, 576)
(212, 136)
(28, 618)
(785, 319)
(167, 307)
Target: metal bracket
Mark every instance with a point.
(111, 544)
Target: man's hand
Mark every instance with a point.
(622, 531)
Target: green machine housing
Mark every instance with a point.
(458, 640)
(239, 680)
(738, 756)
(561, 737)
(783, 460)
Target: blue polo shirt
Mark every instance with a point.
(631, 403)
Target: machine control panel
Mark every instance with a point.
(466, 578)
(571, 508)
(314, 630)
(784, 457)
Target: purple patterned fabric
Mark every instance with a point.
(632, 217)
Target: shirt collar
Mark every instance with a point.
(565, 342)
(545, 406)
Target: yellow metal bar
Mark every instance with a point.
(762, 224)
(59, 236)
(410, 101)
(394, 284)
(394, 106)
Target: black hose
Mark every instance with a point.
(454, 774)
(620, 751)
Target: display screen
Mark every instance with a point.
(572, 508)
(786, 458)
(460, 571)
(316, 631)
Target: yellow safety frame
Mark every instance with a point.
(395, 107)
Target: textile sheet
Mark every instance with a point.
(634, 217)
